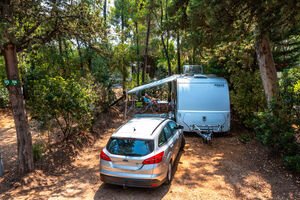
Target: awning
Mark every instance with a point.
(153, 84)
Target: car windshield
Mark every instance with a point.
(129, 146)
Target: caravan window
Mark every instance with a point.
(197, 96)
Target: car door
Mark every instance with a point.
(170, 140)
(176, 136)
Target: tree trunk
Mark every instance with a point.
(88, 55)
(168, 32)
(104, 10)
(193, 56)
(137, 53)
(266, 67)
(178, 54)
(25, 155)
(80, 57)
(61, 56)
(123, 40)
(166, 50)
(167, 55)
(163, 41)
(146, 49)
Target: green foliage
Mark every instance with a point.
(286, 52)
(63, 103)
(247, 95)
(100, 71)
(278, 125)
(245, 138)
(292, 163)
(236, 62)
(38, 151)
(4, 96)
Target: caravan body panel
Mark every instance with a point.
(203, 102)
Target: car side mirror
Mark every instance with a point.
(179, 127)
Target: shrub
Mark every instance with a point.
(63, 103)
(245, 138)
(293, 163)
(38, 151)
(278, 125)
(4, 96)
(236, 61)
(247, 95)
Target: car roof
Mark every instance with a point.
(140, 128)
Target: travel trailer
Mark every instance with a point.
(201, 101)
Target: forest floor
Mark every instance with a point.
(226, 169)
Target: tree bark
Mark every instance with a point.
(137, 53)
(193, 56)
(167, 55)
(166, 48)
(266, 67)
(163, 41)
(61, 56)
(123, 40)
(104, 10)
(146, 49)
(88, 55)
(178, 54)
(25, 155)
(80, 57)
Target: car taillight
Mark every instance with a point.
(104, 156)
(154, 159)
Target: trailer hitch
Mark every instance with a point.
(205, 131)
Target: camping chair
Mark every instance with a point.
(147, 105)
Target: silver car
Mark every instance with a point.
(141, 153)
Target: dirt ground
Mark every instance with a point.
(226, 169)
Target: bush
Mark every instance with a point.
(64, 103)
(245, 138)
(247, 95)
(278, 126)
(293, 163)
(236, 61)
(4, 97)
(38, 151)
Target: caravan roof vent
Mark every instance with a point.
(190, 70)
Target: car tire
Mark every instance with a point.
(169, 174)
(182, 143)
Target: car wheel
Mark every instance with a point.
(182, 143)
(169, 174)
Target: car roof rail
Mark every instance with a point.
(164, 115)
(158, 125)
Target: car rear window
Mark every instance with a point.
(129, 146)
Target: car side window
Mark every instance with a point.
(168, 132)
(161, 139)
(172, 127)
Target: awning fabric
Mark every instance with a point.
(153, 84)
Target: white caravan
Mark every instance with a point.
(202, 102)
